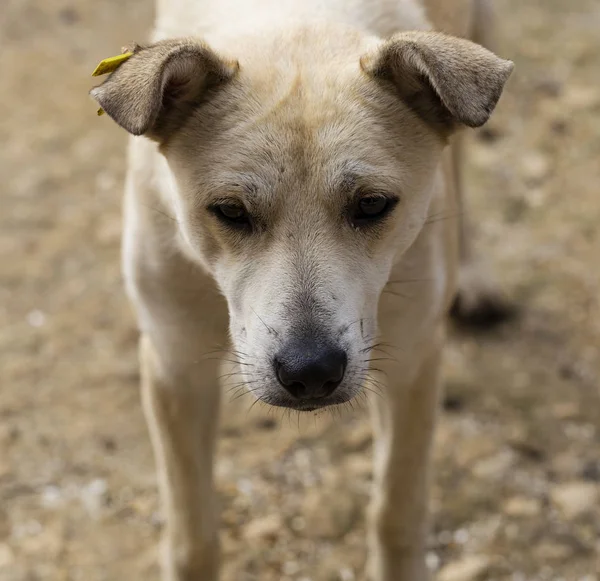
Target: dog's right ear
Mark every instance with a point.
(156, 89)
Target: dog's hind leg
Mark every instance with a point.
(482, 24)
(479, 302)
(403, 418)
(181, 407)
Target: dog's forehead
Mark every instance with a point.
(296, 121)
(297, 151)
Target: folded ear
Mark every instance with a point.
(446, 80)
(153, 91)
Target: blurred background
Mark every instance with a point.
(517, 456)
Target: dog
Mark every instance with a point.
(299, 165)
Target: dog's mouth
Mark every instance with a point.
(307, 405)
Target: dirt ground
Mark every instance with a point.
(517, 489)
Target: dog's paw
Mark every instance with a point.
(486, 312)
(479, 305)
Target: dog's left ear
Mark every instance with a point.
(444, 79)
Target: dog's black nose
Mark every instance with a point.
(309, 369)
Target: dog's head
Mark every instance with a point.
(302, 171)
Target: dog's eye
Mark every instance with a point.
(232, 213)
(371, 208)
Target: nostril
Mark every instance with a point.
(338, 371)
(283, 374)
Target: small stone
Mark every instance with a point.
(528, 449)
(474, 450)
(567, 410)
(461, 536)
(298, 524)
(489, 134)
(360, 465)
(535, 197)
(266, 424)
(69, 15)
(230, 544)
(144, 506)
(495, 466)
(432, 561)
(553, 551)
(7, 557)
(582, 98)
(521, 506)
(549, 87)
(535, 167)
(268, 528)
(28, 528)
(94, 496)
(470, 568)
(52, 496)
(559, 126)
(591, 471)
(290, 568)
(359, 439)
(108, 444)
(445, 538)
(245, 486)
(453, 403)
(36, 318)
(49, 541)
(575, 498)
(567, 465)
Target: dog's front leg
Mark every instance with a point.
(181, 407)
(404, 418)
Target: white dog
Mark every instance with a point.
(296, 165)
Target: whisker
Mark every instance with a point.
(376, 385)
(244, 392)
(270, 329)
(377, 370)
(381, 359)
(397, 294)
(256, 401)
(409, 280)
(375, 392)
(224, 350)
(378, 347)
(161, 212)
(227, 361)
(242, 383)
(228, 375)
(437, 217)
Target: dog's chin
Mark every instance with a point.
(306, 405)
